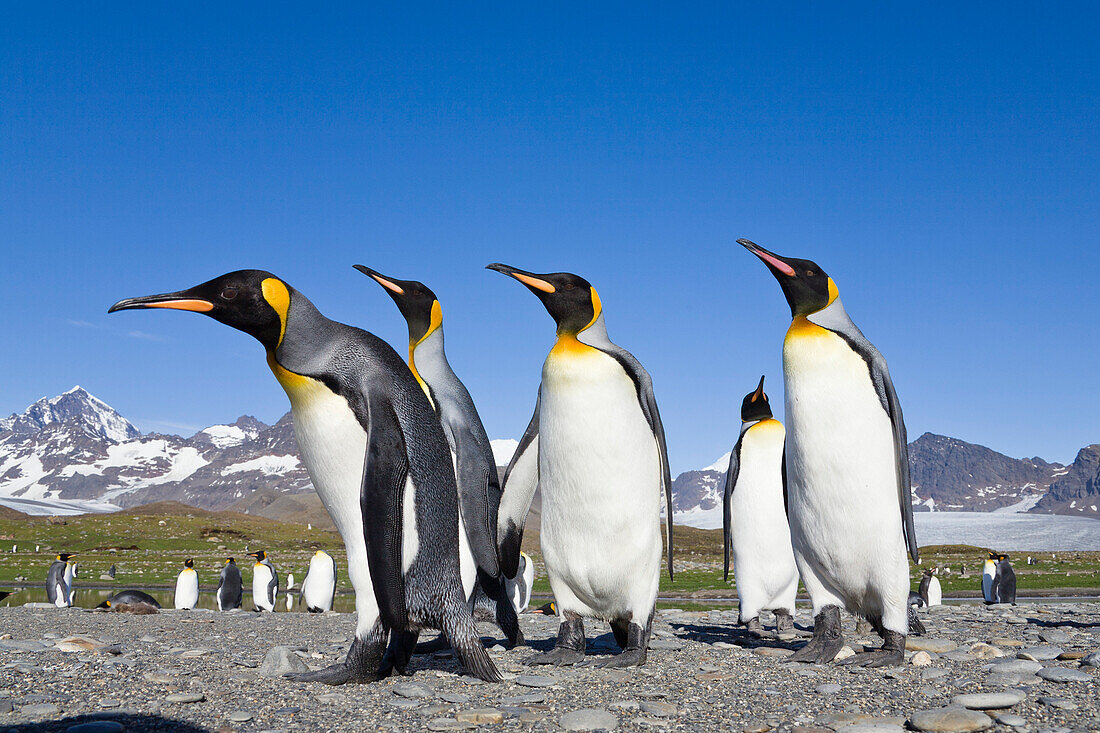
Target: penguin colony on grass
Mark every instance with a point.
(401, 461)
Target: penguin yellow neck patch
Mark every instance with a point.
(434, 323)
(278, 297)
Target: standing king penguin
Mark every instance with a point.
(230, 588)
(265, 582)
(376, 454)
(475, 467)
(755, 518)
(847, 466)
(187, 586)
(988, 571)
(57, 587)
(929, 588)
(596, 447)
(319, 585)
(1004, 581)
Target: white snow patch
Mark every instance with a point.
(225, 436)
(1023, 505)
(267, 465)
(721, 465)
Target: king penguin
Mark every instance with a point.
(187, 586)
(265, 582)
(376, 454)
(929, 588)
(475, 467)
(755, 519)
(596, 448)
(230, 588)
(847, 464)
(319, 585)
(57, 589)
(1004, 581)
(988, 571)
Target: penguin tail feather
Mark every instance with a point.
(469, 649)
(915, 625)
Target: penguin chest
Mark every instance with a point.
(261, 579)
(840, 444)
(761, 538)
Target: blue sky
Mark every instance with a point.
(940, 162)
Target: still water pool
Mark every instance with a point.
(92, 597)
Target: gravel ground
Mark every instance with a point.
(202, 670)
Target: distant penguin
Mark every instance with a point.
(988, 572)
(754, 524)
(72, 572)
(377, 456)
(595, 447)
(479, 491)
(519, 588)
(1004, 581)
(57, 588)
(848, 488)
(319, 585)
(230, 588)
(929, 588)
(265, 582)
(112, 571)
(187, 586)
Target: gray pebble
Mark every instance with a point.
(1041, 653)
(412, 690)
(1063, 674)
(530, 698)
(534, 680)
(186, 697)
(589, 719)
(1060, 703)
(1011, 719)
(662, 709)
(1015, 666)
(454, 697)
(40, 710)
(666, 644)
(827, 689)
(1054, 636)
(281, 660)
(947, 720)
(109, 703)
(931, 673)
(989, 700)
(448, 724)
(240, 716)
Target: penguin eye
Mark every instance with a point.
(229, 294)
(811, 273)
(568, 286)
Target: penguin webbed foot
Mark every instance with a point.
(784, 622)
(826, 641)
(891, 654)
(558, 656)
(754, 628)
(625, 658)
(569, 648)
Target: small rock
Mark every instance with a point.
(480, 716)
(404, 703)
(97, 726)
(666, 644)
(287, 711)
(1060, 703)
(281, 660)
(929, 644)
(456, 697)
(534, 680)
(186, 697)
(772, 651)
(1011, 720)
(1040, 653)
(148, 639)
(845, 652)
(981, 650)
(1063, 674)
(39, 711)
(1015, 620)
(195, 653)
(932, 673)
(1015, 666)
(827, 689)
(109, 703)
(448, 724)
(989, 700)
(530, 698)
(1072, 655)
(1092, 660)
(1054, 636)
(921, 659)
(871, 728)
(949, 720)
(661, 709)
(412, 690)
(589, 719)
(240, 716)
(1000, 641)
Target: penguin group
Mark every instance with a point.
(998, 579)
(401, 461)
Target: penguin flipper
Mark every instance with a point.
(520, 481)
(783, 478)
(477, 485)
(643, 383)
(273, 587)
(385, 472)
(880, 375)
(727, 497)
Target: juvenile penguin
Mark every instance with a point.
(596, 447)
(929, 588)
(319, 585)
(1004, 582)
(230, 587)
(475, 468)
(376, 453)
(131, 598)
(988, 571)
(755, 518)
(57, 588)
(847, 464)
(265, 582)
(519, 588)
(187, 586)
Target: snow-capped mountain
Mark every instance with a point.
(73, 453)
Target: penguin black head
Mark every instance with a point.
(992, 555)
(415, 300)
(1002, 557)
(806, 286)
(755, 405)
(252, 301)
(230, 561)
(260, 555)
(64, 556)
(570, 299)
(189, 563)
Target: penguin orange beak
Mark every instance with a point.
(772, 260)
(759, 391)
(529, 279)
(181, 301)
(381, 279)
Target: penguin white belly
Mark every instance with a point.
(261, 595)
(318, 585)
(187, 589)
(519, 588)
(842, 485)
(987, 581)
(467, 565)
(61, 596)
(333, 446)
(935, 593)
(763, 560)
(600, 481)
